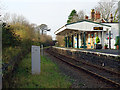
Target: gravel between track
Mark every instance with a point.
(78, 79)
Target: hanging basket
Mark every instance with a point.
(110, 38)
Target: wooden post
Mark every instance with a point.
(42, 53)
(1, 55)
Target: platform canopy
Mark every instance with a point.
(82, 26)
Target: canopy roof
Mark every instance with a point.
(81, 26)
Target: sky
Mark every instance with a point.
(53, 13)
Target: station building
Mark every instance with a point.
(82, 34)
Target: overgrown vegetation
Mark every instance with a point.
(60, 41)
(18, 35)
(49, 76)
(8, 37)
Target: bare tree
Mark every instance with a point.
(18, 19)
(14, 18)
(2, 7)
(60, 40)
(6, 17)
(75, 18)
(115, 19)
(106, 7)
(81, 15)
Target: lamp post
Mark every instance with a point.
(119, 22)
(1, 54)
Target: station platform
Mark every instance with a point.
(106, 52)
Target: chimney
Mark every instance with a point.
(111, 18)
(97, 15)
(86, 17)
(92, 14)
(103, 21)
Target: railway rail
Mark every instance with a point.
(103, 74)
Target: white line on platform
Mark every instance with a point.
(88, 51)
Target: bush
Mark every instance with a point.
(9, 38)
(60, 40)
(8, 53)
(117, 42)
(106, 45)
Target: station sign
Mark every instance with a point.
(97, 28)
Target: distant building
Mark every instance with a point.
(82, 34)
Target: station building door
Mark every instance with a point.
(91, 39)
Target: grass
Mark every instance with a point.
(49, 77)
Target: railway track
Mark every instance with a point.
(103, 74)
